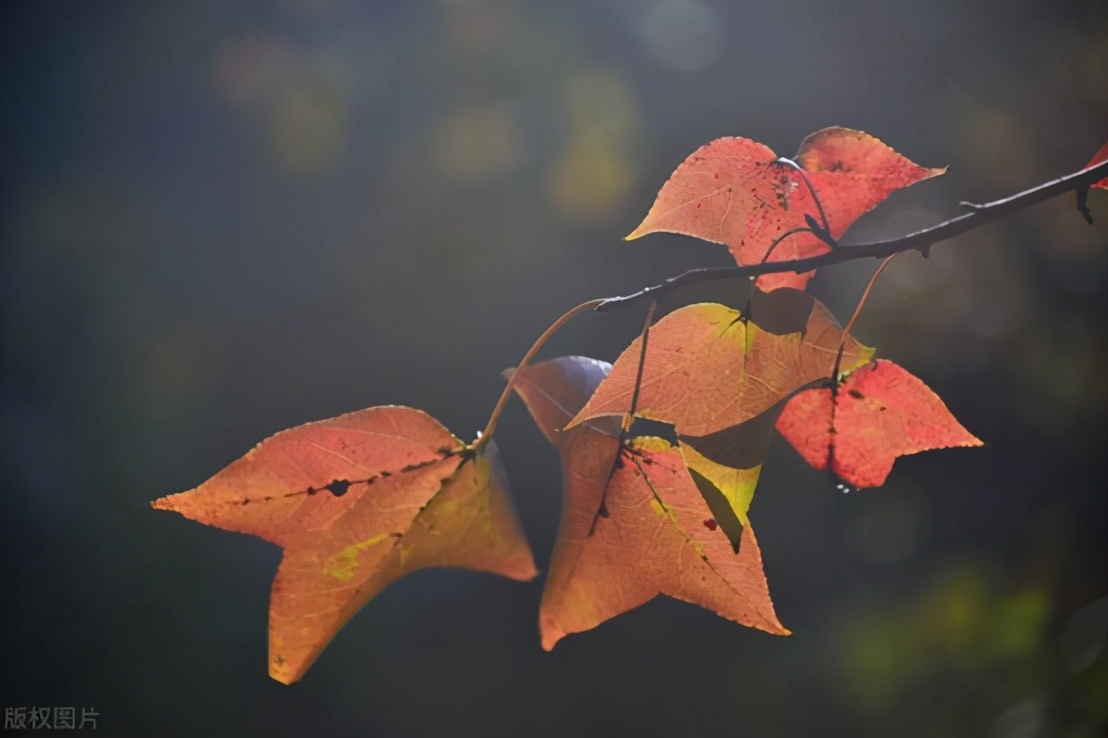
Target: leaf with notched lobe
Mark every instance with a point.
(736, 192)
(356, 502)
(659, 535)
(880, 412)
(707, 369)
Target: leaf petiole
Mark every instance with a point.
(485, 436)
(628, 420)
(782, 161)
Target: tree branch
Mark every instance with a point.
(920, 241)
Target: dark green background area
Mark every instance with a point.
(222, 219)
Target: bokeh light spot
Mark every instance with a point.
(590, 178)
(478, 142)
(307, 126)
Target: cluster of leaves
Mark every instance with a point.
(650, 508)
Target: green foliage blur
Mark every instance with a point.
(222, 219)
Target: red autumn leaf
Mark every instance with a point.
(658, 536)
(737, 192)
(881, 412)
(1100, 156)
(706, 369)
(356, 502)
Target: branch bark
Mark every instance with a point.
(920, 241)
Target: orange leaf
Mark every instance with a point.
(881, 412)
(737, 192)
(358, 501)
(707, 369)
(1100, 156)
(658, 537)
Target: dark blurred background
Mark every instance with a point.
(222, 219)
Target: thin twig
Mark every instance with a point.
(490, 427)
(629, 420)
(782, 161)
(642, 363)
(919, 241)
(863, 299)
(791, 232)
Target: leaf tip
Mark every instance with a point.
(525, 570)
(166, 503)
(281, 673)
(770, 624)
(550, 639)
(635, 234)
(550, 628)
